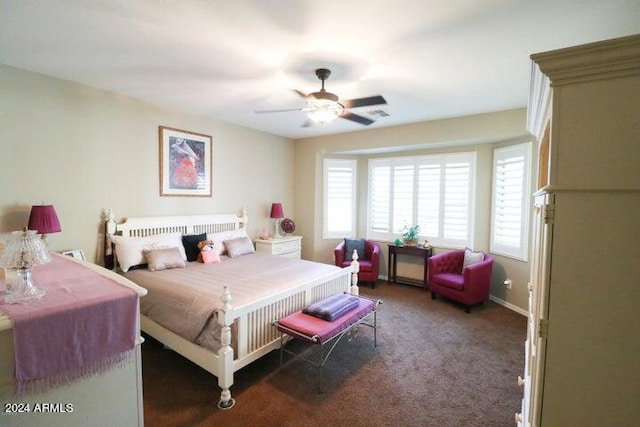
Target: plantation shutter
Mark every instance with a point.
(380, 201)
(339, 198)
(429, 182)
(456, 218)
(403, 180)
(434, 192)
(509, 229)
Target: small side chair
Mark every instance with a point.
(469, 285)
(369, 258)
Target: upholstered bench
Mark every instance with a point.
(317, 331)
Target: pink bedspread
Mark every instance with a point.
(85, 324)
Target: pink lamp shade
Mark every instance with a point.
(44, 219)
(276, 211)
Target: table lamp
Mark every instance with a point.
(23, 251)
(277, 213)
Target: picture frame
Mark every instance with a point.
(76, 253)
(186, 160)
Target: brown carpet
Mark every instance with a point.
(435, 365)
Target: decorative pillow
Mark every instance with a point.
(239, 246)
(471, 257)
(129, 250)
(190, 243)
(162, 259)
(210, 257)
(219, 238)
(206, 246)
(350, 245)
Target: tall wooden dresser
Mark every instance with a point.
(583, 344)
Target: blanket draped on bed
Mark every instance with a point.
(85, 324)
(332, 307)
(185, 300)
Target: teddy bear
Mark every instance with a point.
(208, 254)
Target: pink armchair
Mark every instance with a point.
(369, 261)
(446, 278)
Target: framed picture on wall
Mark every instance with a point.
(185, 163)
(77, 253)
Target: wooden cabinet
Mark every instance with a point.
(583, 338)
(289, 246)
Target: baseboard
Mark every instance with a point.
(491, 297)
(509, 305)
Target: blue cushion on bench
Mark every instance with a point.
(332, 307)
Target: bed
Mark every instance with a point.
(250, 315)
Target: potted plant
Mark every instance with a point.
(410, 235)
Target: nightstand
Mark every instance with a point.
(288, 246)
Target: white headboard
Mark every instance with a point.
(185, 224)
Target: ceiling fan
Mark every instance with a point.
(323, 107)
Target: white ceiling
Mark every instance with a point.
(225, 59)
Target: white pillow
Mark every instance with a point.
(239, 246)
(162, 259)
(130, 250)
(219, 238)
(471, 257)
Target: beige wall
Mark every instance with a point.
(83, 150)
(479, 133)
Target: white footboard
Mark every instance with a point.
(256, 335)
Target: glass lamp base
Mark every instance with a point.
(24, 289)
(276, 229)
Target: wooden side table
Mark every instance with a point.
(416, 251)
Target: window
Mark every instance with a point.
(510, 201)
(435, 192)
(339, 193)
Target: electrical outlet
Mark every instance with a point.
(507, 283)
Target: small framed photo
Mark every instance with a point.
(77, 253)
(185, 163)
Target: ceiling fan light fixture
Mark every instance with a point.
(323, 107)
(324, 111)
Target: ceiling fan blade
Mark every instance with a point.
(356, 118)
(276, 111)
(302, 94)
(364, 102)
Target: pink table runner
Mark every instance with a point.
(85, 324)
